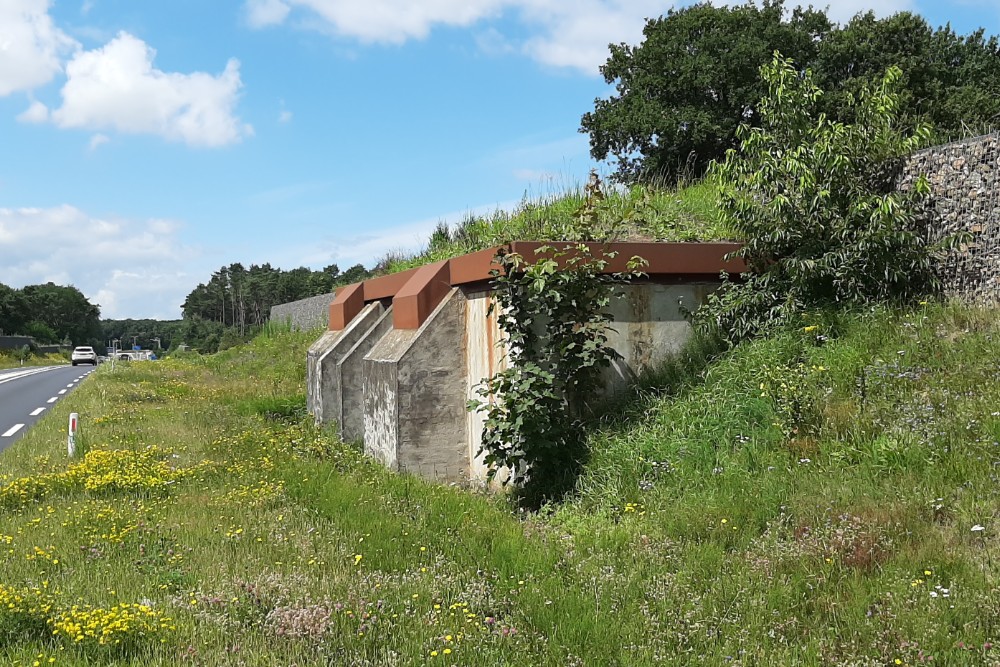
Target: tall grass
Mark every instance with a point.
(825, 496)
(640, 212)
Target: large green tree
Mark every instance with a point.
(14, 314)
(682, 92)
(65, 311)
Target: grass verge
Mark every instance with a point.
(826, 496)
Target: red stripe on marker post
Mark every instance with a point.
(71, 440)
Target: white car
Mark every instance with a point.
(84, 355)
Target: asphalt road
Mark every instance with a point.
(27, 393)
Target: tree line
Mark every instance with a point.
(52, 314)
(236, 301)
(230, 308)
(683, 92)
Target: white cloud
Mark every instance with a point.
(97, 140)
(577, 35)
(370, 247)
(31, 47)
(131, 268)
(844, 10)
(262, 13)
(554, 32)
(35, 113)
(285, 117)
(117, 87)
(386, 21)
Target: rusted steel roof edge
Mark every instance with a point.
(416, 292)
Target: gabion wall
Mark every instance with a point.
(963, 177)
(306, 313)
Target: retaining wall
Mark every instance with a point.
(963, 176)
(304, 314)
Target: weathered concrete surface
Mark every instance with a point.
(415, 389)
(327, 406)
(484, 357)
(314, 393)
(351, 415)
(649, 326)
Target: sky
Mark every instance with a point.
(147, 144)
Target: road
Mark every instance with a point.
(27, 393)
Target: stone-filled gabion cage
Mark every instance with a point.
(964, 198)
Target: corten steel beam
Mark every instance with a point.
(416, 292)
(349, 302)
(417, 299)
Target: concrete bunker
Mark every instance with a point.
(404, 352)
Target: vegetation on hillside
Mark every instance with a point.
(639, 212)
(824, 496)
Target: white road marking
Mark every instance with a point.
(12, 430)
(62, 391)
(70, 385)
(10, 377)
(37, 411)
(53, 399)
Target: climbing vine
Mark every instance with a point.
(553, 313)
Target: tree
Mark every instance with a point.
(65, 311)
(14, 313)
(683, 92)
(816, 201)
(949, 81)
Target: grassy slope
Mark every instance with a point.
(10, 359)
(640, 212)
(806, 500)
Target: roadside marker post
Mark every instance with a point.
(74, 421)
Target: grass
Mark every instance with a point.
(12, 359)
(812, 498)
(641, 212)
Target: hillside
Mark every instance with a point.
(826, 496)
(641, 212)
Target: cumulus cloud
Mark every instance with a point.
(387, 21)
(31, 47)
(98, 140)
(559, 33)
(35, 113)
(132, 269)
(117, 87)
(262, 13)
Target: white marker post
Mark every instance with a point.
(74, 421)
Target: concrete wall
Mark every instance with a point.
(965, 198)
(351, 414)
(405, 391)
(323, 389)
(16, 342)
(304, 314)
(415, 385)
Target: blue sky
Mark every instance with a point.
(148, 144)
